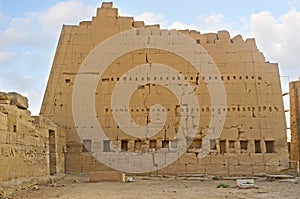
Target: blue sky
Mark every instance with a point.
(29, 32)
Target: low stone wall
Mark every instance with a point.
(26, 150)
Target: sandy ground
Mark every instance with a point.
(157, 187)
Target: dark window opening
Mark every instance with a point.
(106, 145)
(270, 148)
(223, 146)
(87, 145)
(231, 144)
(67, 81)
(137, 145)
(152, 144)
(244, 145)
(257, 146)
(124, 145)
(194, 143)
(213, 144)
(165, 144)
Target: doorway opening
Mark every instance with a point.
(52, 152)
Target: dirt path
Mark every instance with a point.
(145, 187)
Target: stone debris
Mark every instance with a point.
(19, 100)
(246, 184)
(14, 99)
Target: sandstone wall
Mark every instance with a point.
(294, 122)
(253, 139)
(24, 141)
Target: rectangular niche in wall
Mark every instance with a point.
(257, 146)
(106, 145)
(270, 148)
(124, 145)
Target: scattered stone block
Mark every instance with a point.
(110, 176)
(19, 100)
(246, 183)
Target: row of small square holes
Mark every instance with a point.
(207, 109)
(178, 78)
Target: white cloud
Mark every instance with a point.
(182, 26)
(15, 81)
(278, 38)
(213, 23)
(151, 18)
(22, 31)
(32, 38)
(36, 29)
(66, 12)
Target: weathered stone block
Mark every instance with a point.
(19, 100)
(112, 176)
(5, 96)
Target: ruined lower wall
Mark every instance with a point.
(294, 122)
(253, 139)
(25, 148)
